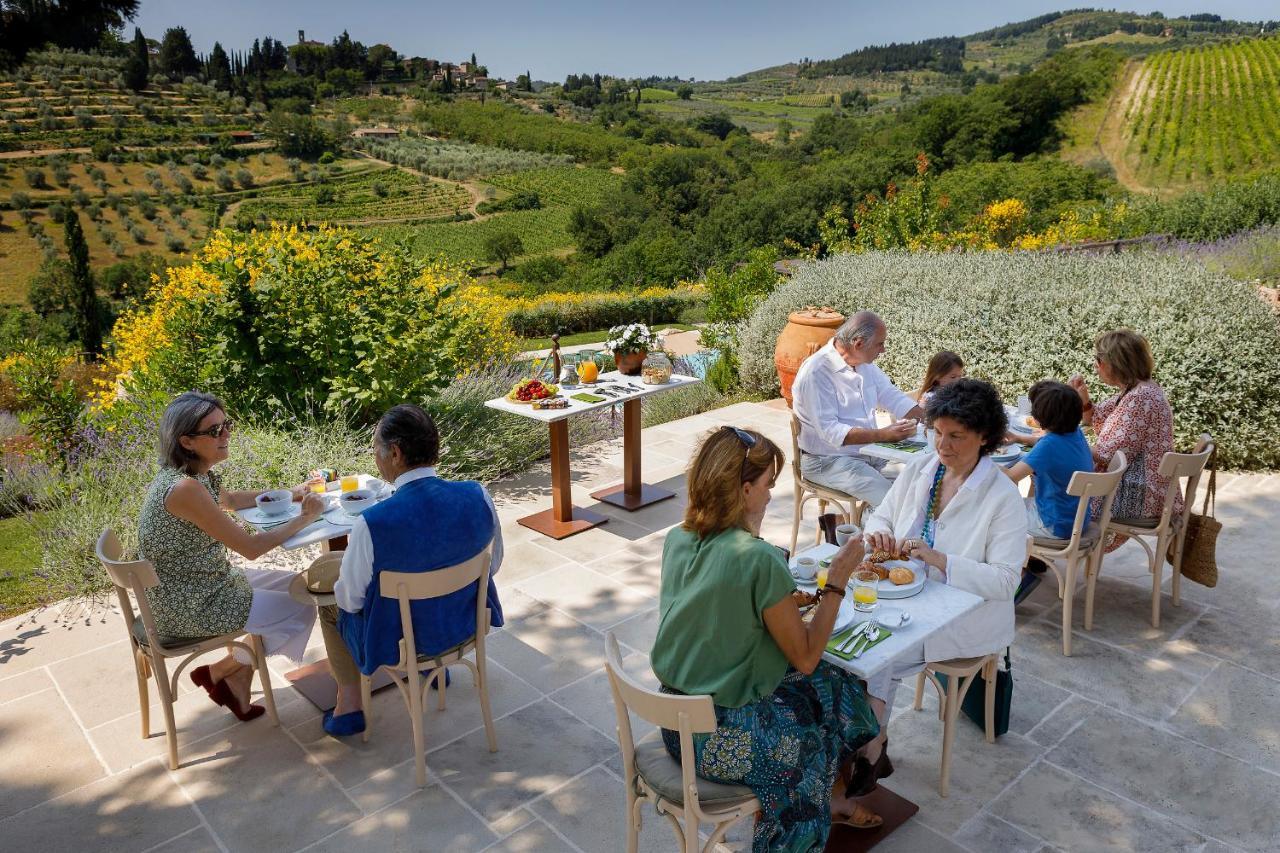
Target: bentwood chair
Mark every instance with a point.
(652, 775)
(420, 670)
(150, 649)
(1084, 548)
(1169, 531)
(807, 490)
(961, 674)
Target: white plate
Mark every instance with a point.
(887, 589)
(893, 618)
(846, 615)
(1018, 423)
(253, 515)
(337, 515)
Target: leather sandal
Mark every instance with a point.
(870, 823)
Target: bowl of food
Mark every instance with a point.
(356, 501)
(274, 501)
(528, 390)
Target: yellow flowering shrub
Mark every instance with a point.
(581, 312)
(294, 314)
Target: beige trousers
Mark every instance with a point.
(340, 662)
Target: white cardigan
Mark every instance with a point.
(983, 532)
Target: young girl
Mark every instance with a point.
(944, 368)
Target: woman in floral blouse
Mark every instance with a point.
(1138, 421)
(184, 531)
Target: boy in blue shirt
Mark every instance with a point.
(1059, 451)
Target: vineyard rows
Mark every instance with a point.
(540, 231)
(559, 185)
(457, 161)
(388, 194)
(1206, 112)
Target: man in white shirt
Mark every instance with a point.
(836, 394)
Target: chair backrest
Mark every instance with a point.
(407, 587)
(795, 452)
(683, 714)
(1189, 466)
(1087, 485)
(128, 576)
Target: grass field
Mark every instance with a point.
(559, 185)
(20, 588)
(540, 231)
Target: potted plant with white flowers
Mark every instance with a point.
(629, 345)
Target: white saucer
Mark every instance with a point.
(253, 515)
(893, 618)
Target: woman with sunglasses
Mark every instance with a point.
(730, 627)
(185, 531)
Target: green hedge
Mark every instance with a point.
(565, 313)
(1019, 317)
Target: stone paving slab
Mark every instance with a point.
(1146, 739)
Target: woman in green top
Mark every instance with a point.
(184, 531)
(730, 627)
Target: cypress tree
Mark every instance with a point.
(137, 69)
(88, 318)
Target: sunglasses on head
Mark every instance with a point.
(748, 441)
(216, 430)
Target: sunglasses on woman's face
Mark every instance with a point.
(216, 430)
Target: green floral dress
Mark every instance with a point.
(200, 593)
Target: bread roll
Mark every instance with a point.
(901, 576)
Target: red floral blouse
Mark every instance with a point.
(1139, 422)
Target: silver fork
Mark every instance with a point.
(849, 641)
(871, 635)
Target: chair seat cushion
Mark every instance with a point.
(1150, 523)
(140, 634)
(1088, 538)
(662, 773)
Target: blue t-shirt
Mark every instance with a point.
(1054, 459)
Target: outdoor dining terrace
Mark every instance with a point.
(1144, 739)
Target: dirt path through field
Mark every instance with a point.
(1109, 140)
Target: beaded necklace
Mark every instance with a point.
(932, 509)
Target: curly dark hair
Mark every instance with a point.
(974, 403)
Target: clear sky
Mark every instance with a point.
(684, 38)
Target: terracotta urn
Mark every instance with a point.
(806, 331)
(629, 364)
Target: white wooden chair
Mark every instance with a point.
(419, 670)
(1084, 547)
(960, 673)
(150, 649)
(1169, 532)
(807, 490)
(652, 775)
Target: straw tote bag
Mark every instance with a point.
(1199, 551)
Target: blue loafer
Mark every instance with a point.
(343, 724)
(435, 685)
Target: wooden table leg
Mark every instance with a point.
(563, 519)
(633, 493)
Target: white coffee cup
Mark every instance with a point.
(845, 532)
(805, 568)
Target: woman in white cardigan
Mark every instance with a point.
(956, 512)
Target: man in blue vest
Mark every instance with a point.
(429, 523)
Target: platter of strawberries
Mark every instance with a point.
(528, 390)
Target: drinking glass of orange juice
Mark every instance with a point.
(350, 483)
(865, 584)
(317, 486)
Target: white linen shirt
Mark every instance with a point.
(830, 398)
(357, 561)
(983, 532)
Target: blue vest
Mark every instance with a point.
(427, 524)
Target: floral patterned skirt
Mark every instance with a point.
(787, 748)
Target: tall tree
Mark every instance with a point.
(473, 62)
(88, 314)
(137, 68)
(528, 81)
(177, 56)
(77, 24)
(218, 69)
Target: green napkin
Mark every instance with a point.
(588, 398)
(838, 639)
(904, 446)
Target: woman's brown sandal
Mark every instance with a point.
(871, 822)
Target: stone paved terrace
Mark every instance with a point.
(1159, 740)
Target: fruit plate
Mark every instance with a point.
(886, 589)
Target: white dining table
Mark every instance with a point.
(332, 525)
(932, 609)
(923, 443)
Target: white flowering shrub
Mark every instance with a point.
(635, 337)
(1019, 317)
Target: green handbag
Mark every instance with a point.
(974, 705)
